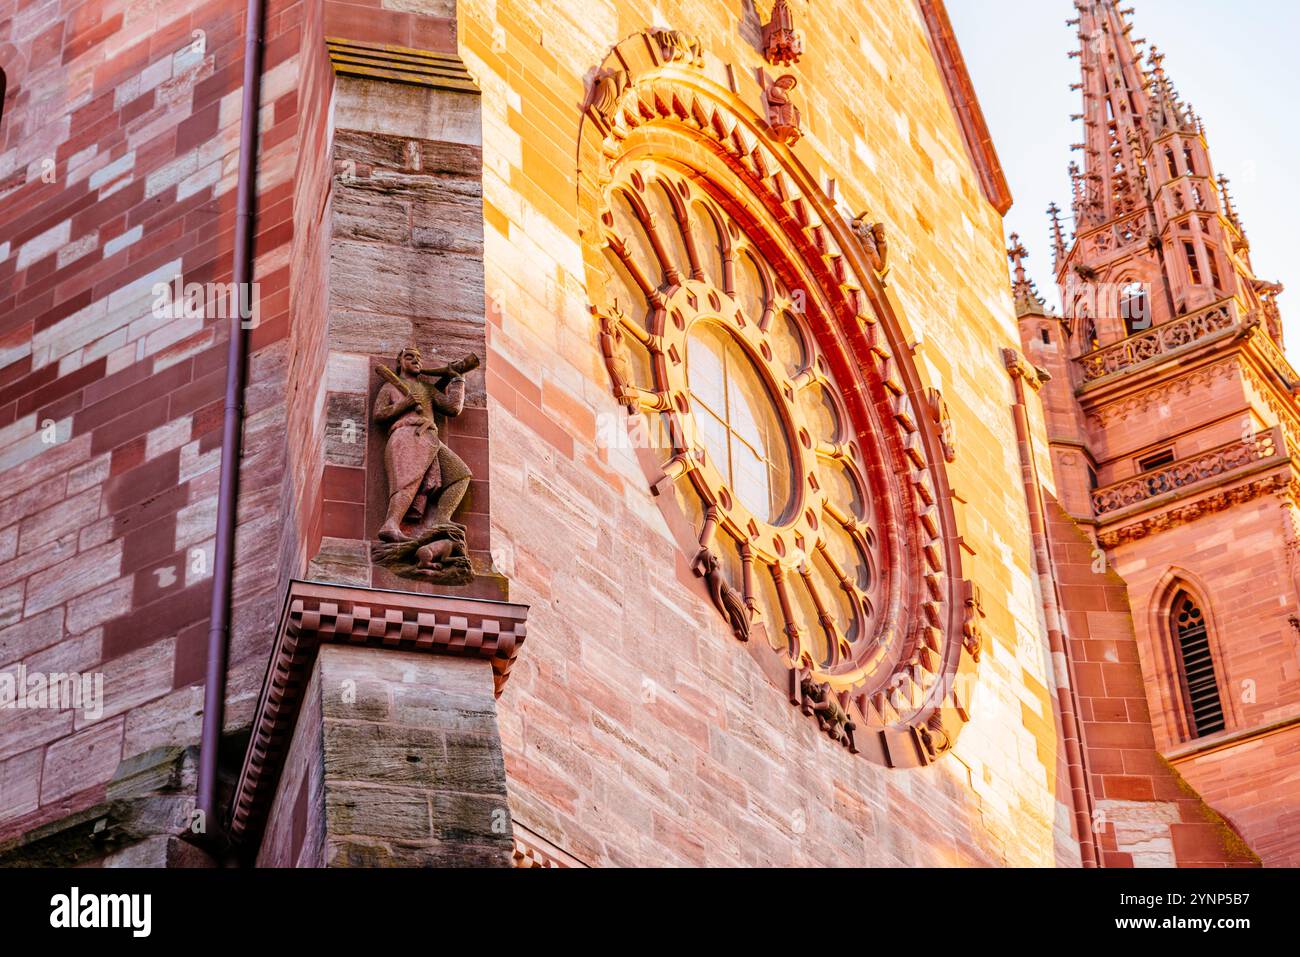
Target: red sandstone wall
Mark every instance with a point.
(1144, 814)
(99, 529)
(1233, 562)
(1254, 783)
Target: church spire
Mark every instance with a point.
(1167, 111)
(1146, 203)
(1116, 114)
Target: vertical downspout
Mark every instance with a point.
(1067, 703)
(214, 687)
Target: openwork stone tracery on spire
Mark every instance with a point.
(1146, 205)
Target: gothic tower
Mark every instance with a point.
(1173, 423)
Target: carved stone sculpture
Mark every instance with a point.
(726, 598)
(427, 481)
(932, 738)
(782, 114)
(875, 241)
(972, 632)
(820, 702)
(606, 91)
(782, 44)
(679, 47)
(940, 415)
(613, 346)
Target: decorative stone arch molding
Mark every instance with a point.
(704, 233)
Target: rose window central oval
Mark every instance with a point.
(737, 421)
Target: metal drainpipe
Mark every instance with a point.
(214, 687)
(1080, 795)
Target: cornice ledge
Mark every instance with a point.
(396, 64)
(1098, 391)
(534, 851)
(1282, 482)
(317, 613)
(1201, 747)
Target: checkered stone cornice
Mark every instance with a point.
(317, 613)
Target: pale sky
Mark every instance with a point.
(1235, 63)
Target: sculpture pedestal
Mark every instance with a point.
(375, 741)
(347, 562)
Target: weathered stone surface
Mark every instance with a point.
(73, 577)
(386, 754)
(20, 781)
(173, 719)
(31, 635)
(160, 851)
(81, 761)
(11, 605)
(401, 786)
(100, 605)
(411, 111)
(342, 561)
(346, 427)
(146, 798)
(394, 281)
(354, 852)
(379, 812)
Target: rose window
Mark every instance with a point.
(774, 406)
(757, 424)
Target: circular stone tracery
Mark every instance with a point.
(780, 422)
(736, 420)
(755, 417)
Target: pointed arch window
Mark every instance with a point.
(1193, 267)
(1196, 664)
(1134, 308)
(1173, 164)
(1189, 160)
(1090, 337)
(1215, 277)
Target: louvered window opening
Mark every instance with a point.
(1198, 668)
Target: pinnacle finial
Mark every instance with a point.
(1229, 210)
(1058, 237)
(1018, 254)
(1023, 288)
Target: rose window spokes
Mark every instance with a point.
(736, 420)
(746, 420)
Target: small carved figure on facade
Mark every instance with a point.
(782, 44)
(932, 739)
(679, 47)
(875, 241)
(1268, 293)
(427, 481)
(782, 114)
(941, 417)
(613, 345)
(606, 91)
(725, 597)
(820, 702)
(973, 611)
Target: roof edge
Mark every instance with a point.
(965, 104)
